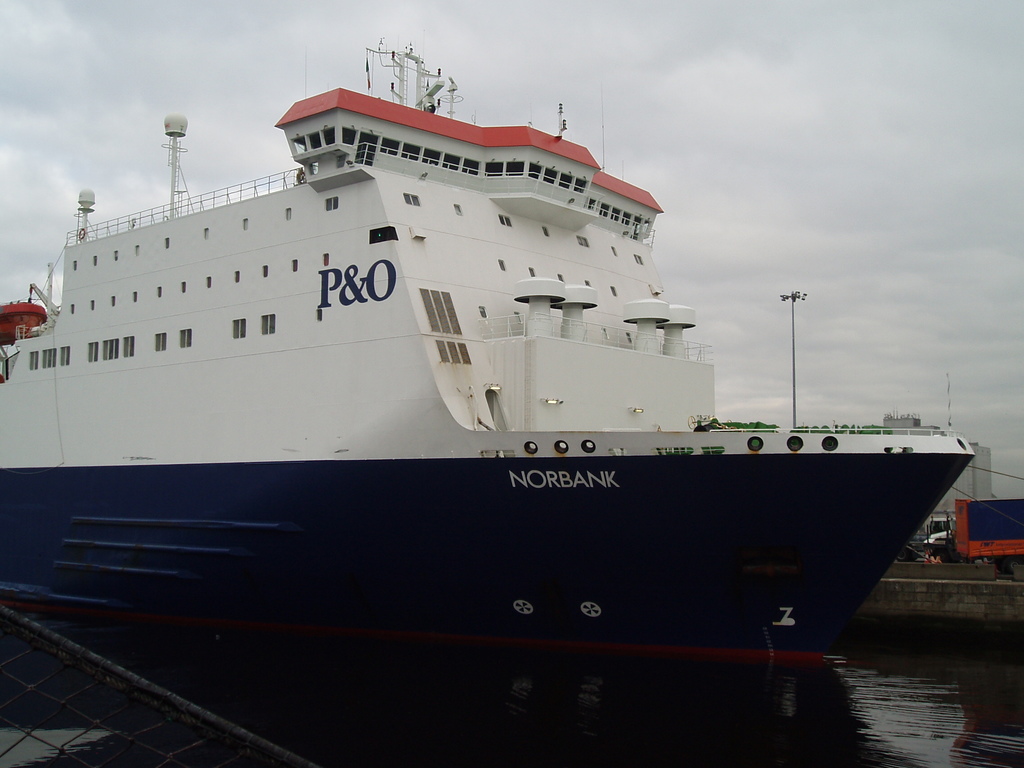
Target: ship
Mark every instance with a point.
(424, 383)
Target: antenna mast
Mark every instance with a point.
(427, 85)
(175, 126)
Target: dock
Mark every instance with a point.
(951, 595)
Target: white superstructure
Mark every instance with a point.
(413, 279)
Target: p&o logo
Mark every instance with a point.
(352, 288)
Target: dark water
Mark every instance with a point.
(881, 701)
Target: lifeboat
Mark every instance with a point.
(17, 318)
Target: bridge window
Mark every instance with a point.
(379, 235)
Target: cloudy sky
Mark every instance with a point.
(869, 154)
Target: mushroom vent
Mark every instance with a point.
(643, 311)
(540, 293)
(577, 299)
(646, 314)
(540, 288)
(582, 296)
(680, 316)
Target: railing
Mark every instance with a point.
(517, 326)
(188, 205)
(872, 429)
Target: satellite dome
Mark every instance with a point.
(175, 125)
(86, 200)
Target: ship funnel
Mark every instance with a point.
(646, 314)
(679, 319)
(577, 298)
(540, 293)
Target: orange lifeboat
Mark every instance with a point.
(17, 318)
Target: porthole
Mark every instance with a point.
(588, 446)
(561, 446)
(795, 443)
(530, 447)
(829, 442)
(755, 443)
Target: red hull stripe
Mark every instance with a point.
(743, 655)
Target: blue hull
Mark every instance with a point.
(663, 554)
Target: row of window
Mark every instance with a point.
(268, 325)
(183, 287)
(112, 349)
(504, 220)
(636, 223)
(367, 145)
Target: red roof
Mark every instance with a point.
(626, 189)
(517, 136)
(503, 136)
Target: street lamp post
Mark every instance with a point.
(793, 298)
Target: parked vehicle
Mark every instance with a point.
(991, 528)
(932, 539)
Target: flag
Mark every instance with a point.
(368, 86)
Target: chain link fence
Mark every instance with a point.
(62, 705)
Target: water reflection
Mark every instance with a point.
(371, 703)
(956, 701)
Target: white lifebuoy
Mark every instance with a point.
(81, 234)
